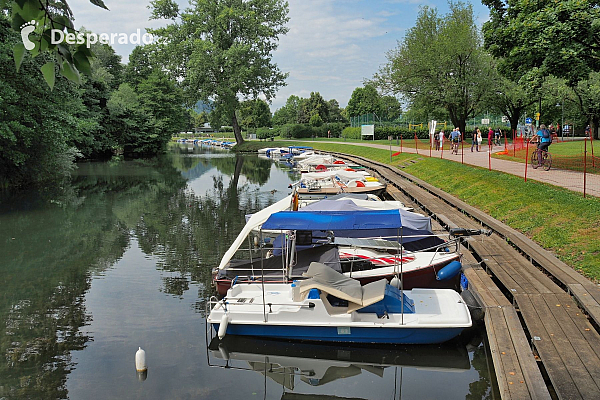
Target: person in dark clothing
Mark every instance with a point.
(474, 142)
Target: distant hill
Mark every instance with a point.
(202, 106)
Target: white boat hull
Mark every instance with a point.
(440, 315)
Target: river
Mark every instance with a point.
(120, 257)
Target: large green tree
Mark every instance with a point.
(364, 100)
(314, 106)
(221, 50)
(255, 114)
(36, 123)
(288, 114)
(440, 62)
(544, 37)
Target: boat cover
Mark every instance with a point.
(334, 215)
(251, 223)
(326, 254)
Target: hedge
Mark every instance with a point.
(382, 132)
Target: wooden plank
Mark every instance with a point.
(509, 370)
(581, 321)
(506, 277)
(496, 359)
(531, 372)
(562, 382)
(584, 349)
(586, 300)
(521, 266)
(558, 333)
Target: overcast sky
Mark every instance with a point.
(331, 46)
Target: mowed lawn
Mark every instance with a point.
(560, 220)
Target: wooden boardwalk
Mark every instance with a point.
(541, 315)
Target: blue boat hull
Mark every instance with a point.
(346, 334)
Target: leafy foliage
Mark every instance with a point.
(221, 50)
(255, 114)
(536, 39)
(439, 63)
(43, 16)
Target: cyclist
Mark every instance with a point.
(543, 140)
(455, 138)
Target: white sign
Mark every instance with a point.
(367, 130)
(485, 121)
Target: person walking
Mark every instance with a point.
(491, 138)
(441, 138)
(436, 141)
(474, 142)
(479, 139)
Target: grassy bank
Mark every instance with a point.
(559, 220)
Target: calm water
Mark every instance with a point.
(121, 257)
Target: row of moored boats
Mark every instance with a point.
(333, 263)
(209, 142)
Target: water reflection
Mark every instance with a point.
(121, 257)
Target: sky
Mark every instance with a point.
(332, 45)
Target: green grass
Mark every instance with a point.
(560, 220)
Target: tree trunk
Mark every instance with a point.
(514, 122)
(237, 130)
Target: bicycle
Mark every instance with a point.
(545, 162)
(455, 147)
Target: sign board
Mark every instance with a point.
(504, 118)
(485, 121)
(367, 130)
(528, 120)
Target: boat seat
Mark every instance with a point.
(329, 281)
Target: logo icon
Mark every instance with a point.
(26, 29)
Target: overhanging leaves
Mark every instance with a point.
(48, 73)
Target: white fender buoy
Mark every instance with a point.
(223, 326)
(140, 360)
(395, 282)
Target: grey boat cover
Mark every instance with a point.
(273, 267)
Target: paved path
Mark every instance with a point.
(571, 180)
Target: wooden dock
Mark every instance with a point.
(541, 317)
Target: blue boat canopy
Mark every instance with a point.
(334, 220)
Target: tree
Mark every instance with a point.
(364, 100)
(255, 114)
(36, 19)
(390, 107)
(440, 63)
(288, 114)
(221, 50)
(314, 105)
(507, 98)
(335, 112)
(140, 65)
(541, 38)
(37, 123)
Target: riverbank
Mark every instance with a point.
(560, 220)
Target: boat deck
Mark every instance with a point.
(542, 317)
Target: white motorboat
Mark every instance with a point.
(330, 307)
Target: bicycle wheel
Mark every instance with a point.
(546, 160)
(534, 159)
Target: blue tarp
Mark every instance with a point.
(334, 220)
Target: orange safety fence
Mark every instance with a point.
(517, 147)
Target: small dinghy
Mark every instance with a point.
(330, 307)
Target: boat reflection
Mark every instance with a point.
(287, 363)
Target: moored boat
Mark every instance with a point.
(330, 307)
(375, 248)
